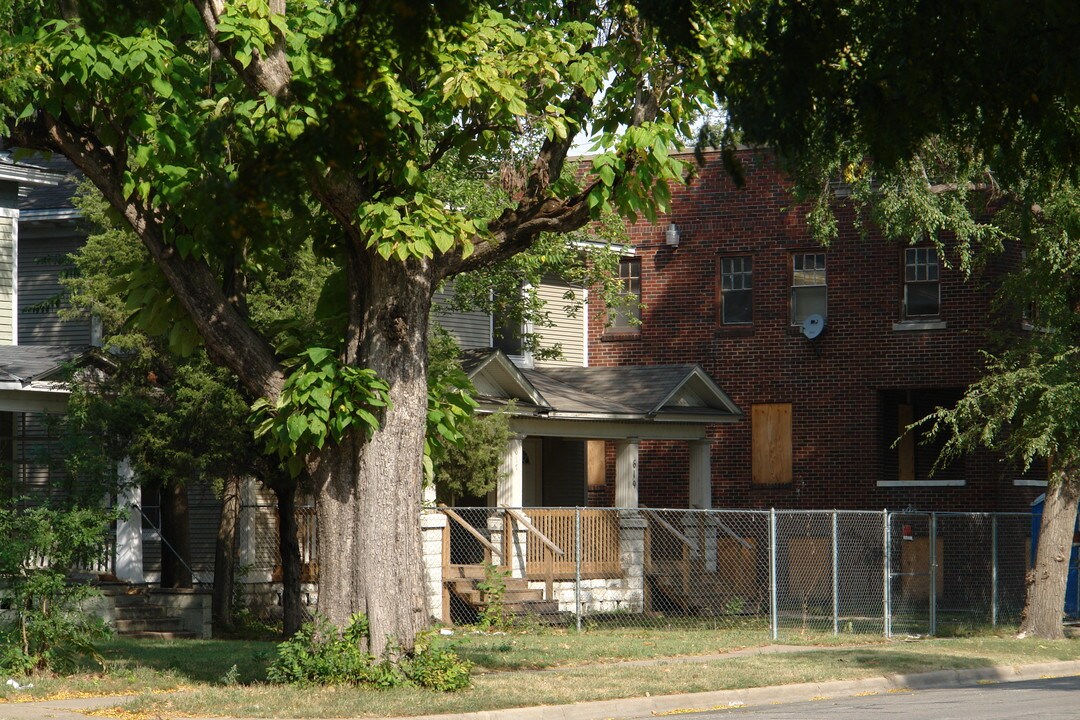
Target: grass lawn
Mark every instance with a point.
(222, 677)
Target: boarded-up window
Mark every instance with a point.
(595, 462)
(905, 447)
(771, 427)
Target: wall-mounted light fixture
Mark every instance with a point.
(671, 235)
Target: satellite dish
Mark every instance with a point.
(812, 326)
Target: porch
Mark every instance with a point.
(575, 429)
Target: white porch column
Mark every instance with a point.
(508, 492)
(626, 473)
(700, 474)
(129, 549)
(698, 527)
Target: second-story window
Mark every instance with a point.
(627, 317)
(808, 288)
(922, 284)
(736, 290)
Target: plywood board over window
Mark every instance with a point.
(595, 466)
(771, 428)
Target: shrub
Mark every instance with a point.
(438, 668)
(494, 615)
(46, 627)
(322, 654)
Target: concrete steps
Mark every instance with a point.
(141, 612)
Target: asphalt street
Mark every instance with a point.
(1050, 699)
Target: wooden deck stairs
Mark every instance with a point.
(519, 600)
(674, 587)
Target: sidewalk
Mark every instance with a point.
(658, 705)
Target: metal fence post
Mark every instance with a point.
(577, 567)
(886, 604)
(933, 573)
(993, 570)
(835, 578)
(774, 609)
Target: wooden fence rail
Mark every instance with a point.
(599, 544)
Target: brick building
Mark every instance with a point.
(902, 331)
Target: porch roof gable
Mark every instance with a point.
(25, 364)
(673, 393)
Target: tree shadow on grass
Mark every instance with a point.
(195, 661)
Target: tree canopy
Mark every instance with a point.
(224, 133)
(958, 122)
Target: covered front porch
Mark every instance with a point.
(546, 526)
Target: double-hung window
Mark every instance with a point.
(808, 288)
(626, 317)
(922, 283)
(736, 290)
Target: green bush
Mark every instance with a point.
(438, 668)
(45, 627)
(324, 655)
(494, 615)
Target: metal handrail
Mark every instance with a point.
(194, 576)
(445, 510)
(533, 529)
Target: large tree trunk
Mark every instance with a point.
(175, 537)
(1046, 581)
(225, 556)
(368, 490)
(289, 548)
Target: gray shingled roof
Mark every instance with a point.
(24, 363)
(56, 197)
(576, 397)
(641, 388)
(634, 390)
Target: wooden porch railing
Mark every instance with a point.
(540, 546)
(685, 545)
(307, 536)
(490, 550)
(599, 543)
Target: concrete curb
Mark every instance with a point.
(658, 705)
(698, 702)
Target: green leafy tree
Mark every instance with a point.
(953, 120)
(225, 133)
(155, 408)
(46, 626)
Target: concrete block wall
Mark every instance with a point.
(193, 607)
(625, 593)
(432, 526)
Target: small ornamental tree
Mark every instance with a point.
(45, 626)
(223, 132)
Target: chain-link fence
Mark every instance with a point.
(784, 571)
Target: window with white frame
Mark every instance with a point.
(626, 317)
(808, 287)
(922, 284)
(736, 290)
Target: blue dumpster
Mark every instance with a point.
(1072, 588)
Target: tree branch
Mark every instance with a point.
(228, 337)
(269, 72)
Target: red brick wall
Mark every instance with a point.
(839, 451)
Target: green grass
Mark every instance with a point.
(576, 667)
